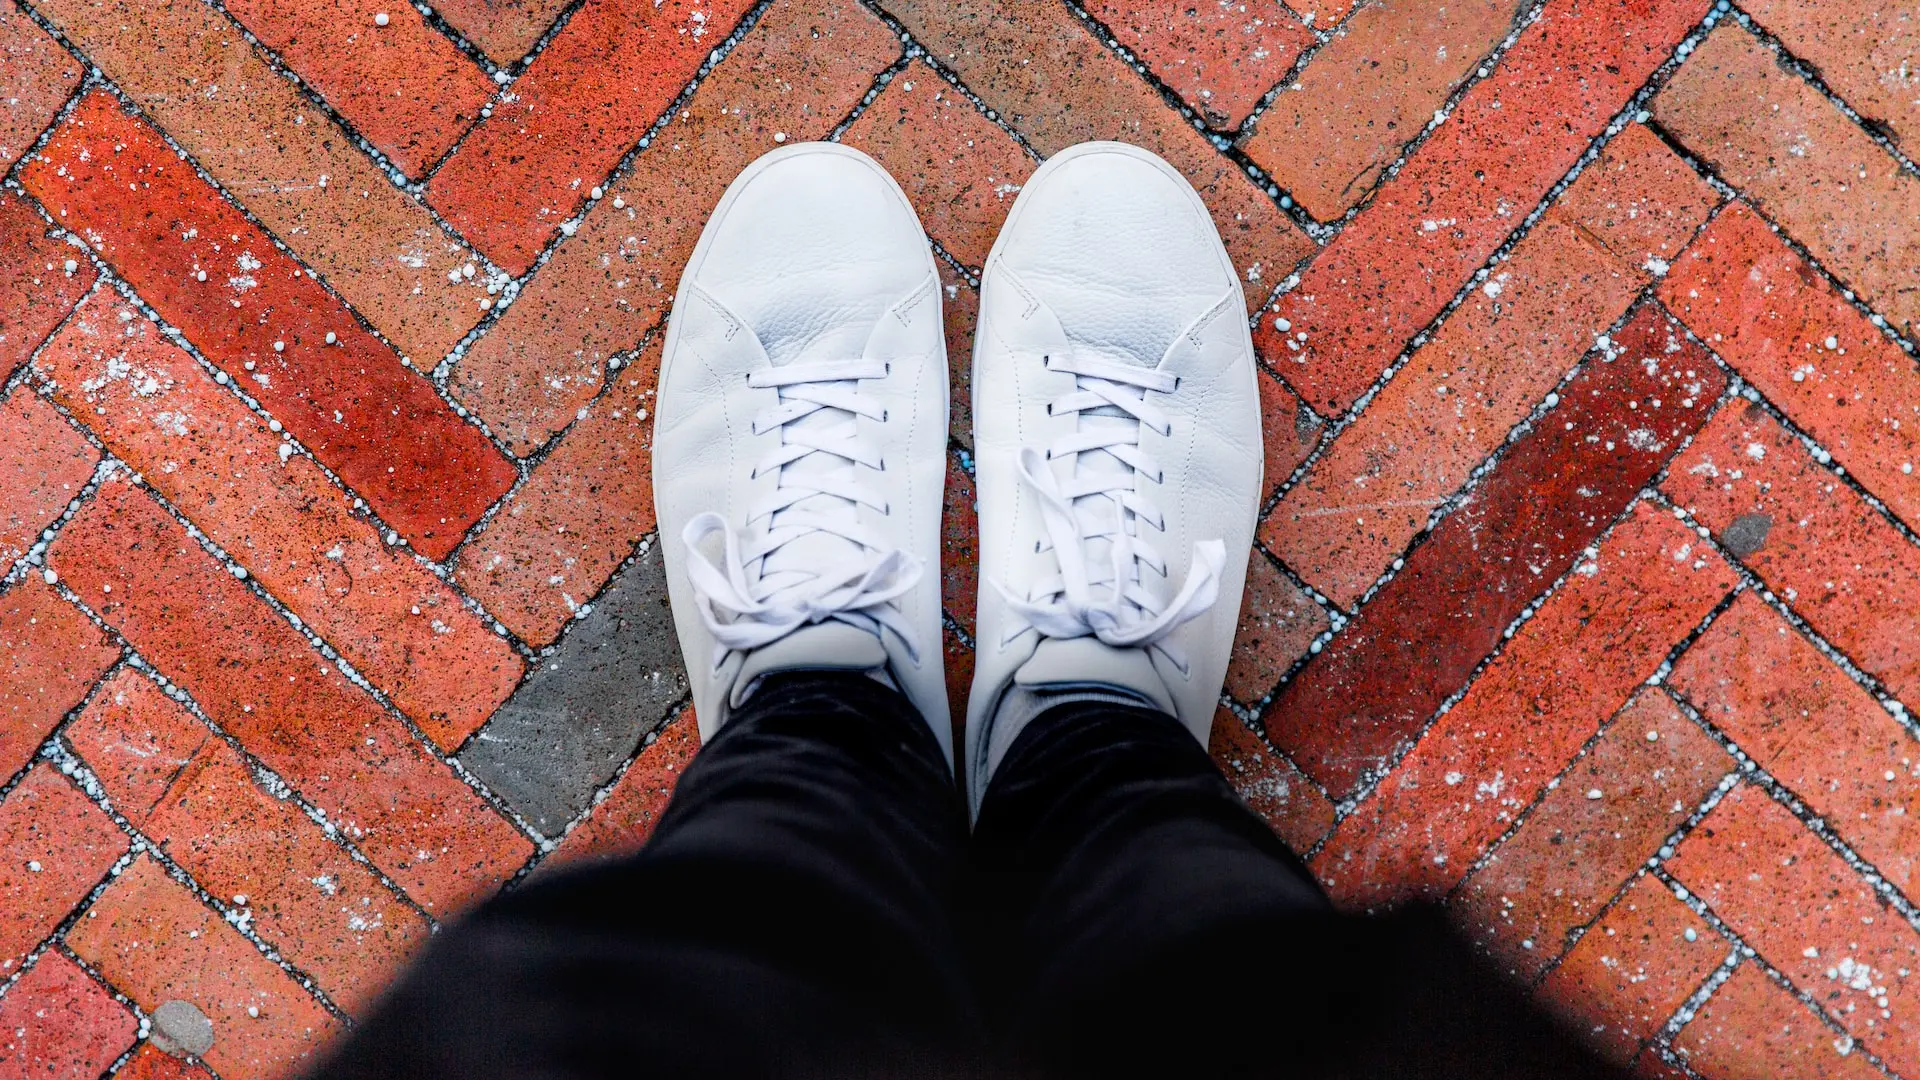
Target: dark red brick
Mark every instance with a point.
(1754, 1029)
(1811, 916)
(1803, 720)
(1771, 315)
(136, 739)
(1817, 544)
(1651, 768)
(43, 465)
(1222, 58)
(37, 78)
(55, 845)
(1356, 704)
(1482, 763)
(1278, 622)
(49, 655)
(800, 70)
(959, 548)
(151, 1063)
(586, 100)
(36, 288)
(1269, 783)
(1506, 143)
(260, 680)
(375, 423)
(58, 1023)
(621, 823)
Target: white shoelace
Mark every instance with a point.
(754, 596)
(1102, 502)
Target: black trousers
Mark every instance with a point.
(813, 904)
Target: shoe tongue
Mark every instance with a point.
(827, 646)
(1084, 663)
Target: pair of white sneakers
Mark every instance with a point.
(800, 442)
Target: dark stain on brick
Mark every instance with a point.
(1747, 534)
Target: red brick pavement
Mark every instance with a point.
(1585, 600)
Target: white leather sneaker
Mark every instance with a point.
(800, 436)
(1117, 440)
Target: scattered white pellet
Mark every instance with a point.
(1691, 934)
(381, 19)
(779, 136)
(596, 192)
(1832, 342)
(1653, 736)
(72, 265)
(619, 203)
(50, 576)
(1596, 793)
(330, 338)
(279, 346)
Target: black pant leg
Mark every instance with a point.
(1140, 920)
(793, 914)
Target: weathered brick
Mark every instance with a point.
(1649, 770)
(560, 535)
(1269, 783)
(1290, 430)
(1797, 157)
(961, 308)
(1055, 83)
(1560, 486)
(1573, 665)
(327, 914)
(43, 465)
(1799, 716)
(1277, 623)
(279, 516)
(960, 548)
(404, 86)
(36, 288)
(1863, 49)
(1811, 916)
(621, 823)
(1634, 970)
(504, 29)
(154, 941)
(49, 655)
(111, 178)
(1221, 58)
(260, 680)
(136, 739)
(36, 79)
(1372, 90)
(959, 667)
(58, 1023)
(800, 70)
(1510, 138)
(1771, 315)
(149, 1062)
(586, 100)
(284, 160)
(1817, 544)
(960, 170)
(1754, 1029)
(55, 845)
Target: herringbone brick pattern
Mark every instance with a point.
(1588, 589)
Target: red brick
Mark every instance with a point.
(586, 100)
(960, 170)
(1753, 1029)
(1568, 669)
(621, 823)
(153, 940)
(1810, 915)
(327, 915)
(55, 845)
(43, 465)
(1810, 538)
(801, 69)
(961, 308)
(1222, 58)
(959, 548)
(560, 536)
(959, 667)
(1278, 622)
(136, 739)
(1055, 83)
(375, 423)
(1798, 158)
(1420, 637)
(285, 160)
(1863, 50)
(36, 288)
(260, 680)
(504, 29)
(1569, 856)
(1651, 1066)
(1291, 430)
(58, 1024)
(49, 655)
(1799, 716)
(404, 86)
(36, 79)
(283, 519)
(1634, 970)
(1770, 315)
(1269, 783)
(149, 1062)
(1508, 140)
(1373, 89)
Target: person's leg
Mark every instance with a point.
(793, 914)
